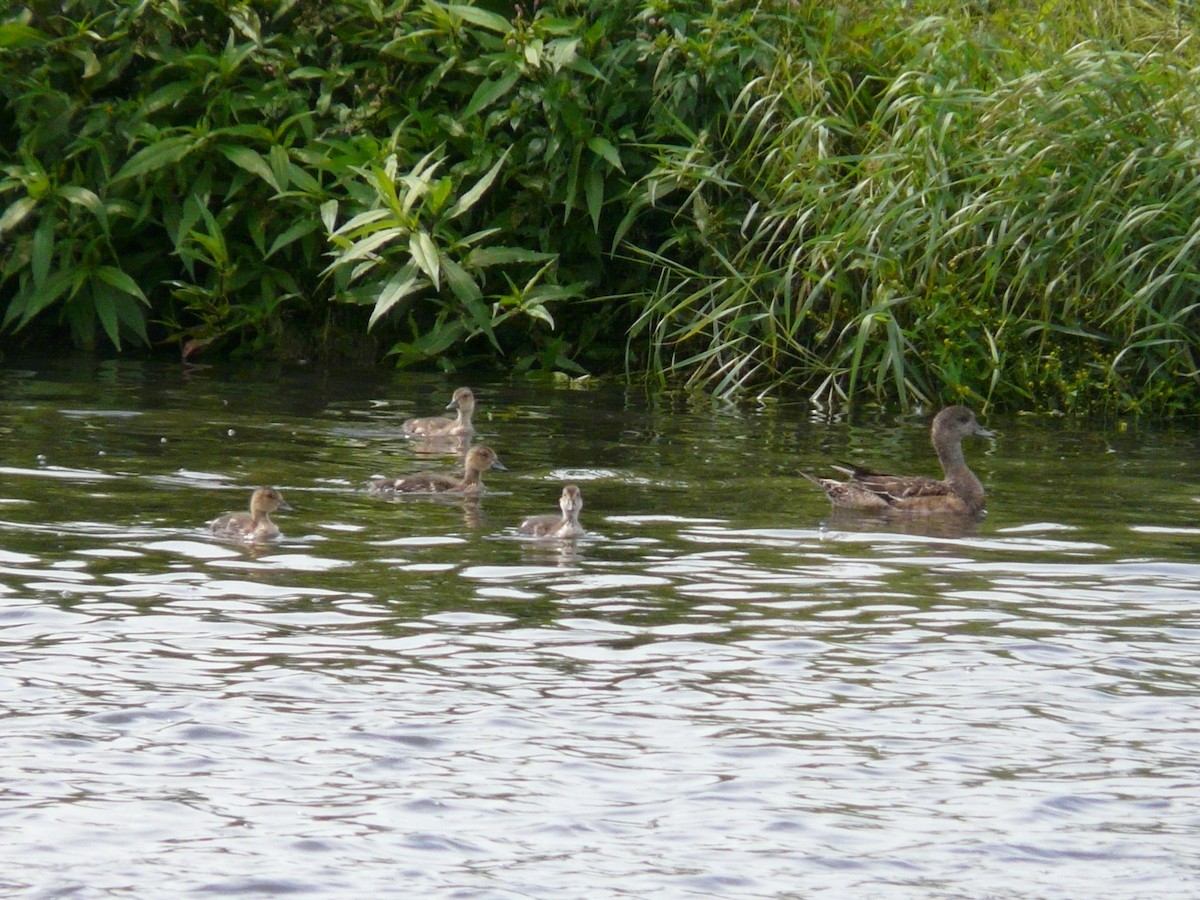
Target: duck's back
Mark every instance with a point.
(241, 525)
(423, 483)
(232, 525)
(434, 426)
(541, 526)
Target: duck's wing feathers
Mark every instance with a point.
(848, 494)
(869, 490)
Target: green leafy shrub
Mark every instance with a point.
(904, 201)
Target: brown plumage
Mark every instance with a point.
(958, 493)
(440, 426)
(255, 525)
(564, 526)
(478, 461)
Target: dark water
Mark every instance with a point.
(722, 690)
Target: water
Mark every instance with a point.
(722, 690)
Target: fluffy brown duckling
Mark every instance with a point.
(440, 426)
(479, 460)
(564, 526)
(255, 525)
(959, 493)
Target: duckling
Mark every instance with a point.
(255, 525)
(479, 460)
(959, 493)
(440, 426)
(566, 526)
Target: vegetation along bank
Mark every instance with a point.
(994, 202)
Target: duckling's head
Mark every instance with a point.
(266, 500)
(462, 399)
(955, 423)
(571, 501)
(483, 458)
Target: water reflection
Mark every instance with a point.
(939, 526)
(723, 688)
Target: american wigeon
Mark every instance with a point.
(478, 461)
(959, 493)
(255, 525)
(564, 526)
(440, 426)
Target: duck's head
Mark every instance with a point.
(462, 399)
(955, 423)
(483, 458)
(267, 500)
(571, 501)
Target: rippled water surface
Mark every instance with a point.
(722, 690)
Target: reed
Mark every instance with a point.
(935, 222)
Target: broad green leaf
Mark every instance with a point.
(440, 193)
(54, 287)
(106, 311)
(252, 161)
(16, 213)
(329, 211)
(16, 35)
(481, 316)
(533, 53)
(41, 253)
(188, 217)
(91, 65)
(584, 66)
(489, 92)
(163, 153)
(562, 52)
(425, 254)
(297, 231)
(405, 282)
(370, 217)
(281, 166)
(246, 134)
(480, 17)
(132, 317)
(537, 311)
(166, 96)
(81, 196)
(472, 196)
(366, 247)
(306, 72)
(121, 281)
(593, 191)
(602, 148)
(460, 281)
(439, 339)
(572, 182)
(501, 256)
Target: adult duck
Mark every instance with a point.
(960, 492)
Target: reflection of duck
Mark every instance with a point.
(857, 521)
(478, 461)
(440, 426)
(959, 493)
(565, 526)
(255, 525)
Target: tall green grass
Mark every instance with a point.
(908, 216)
